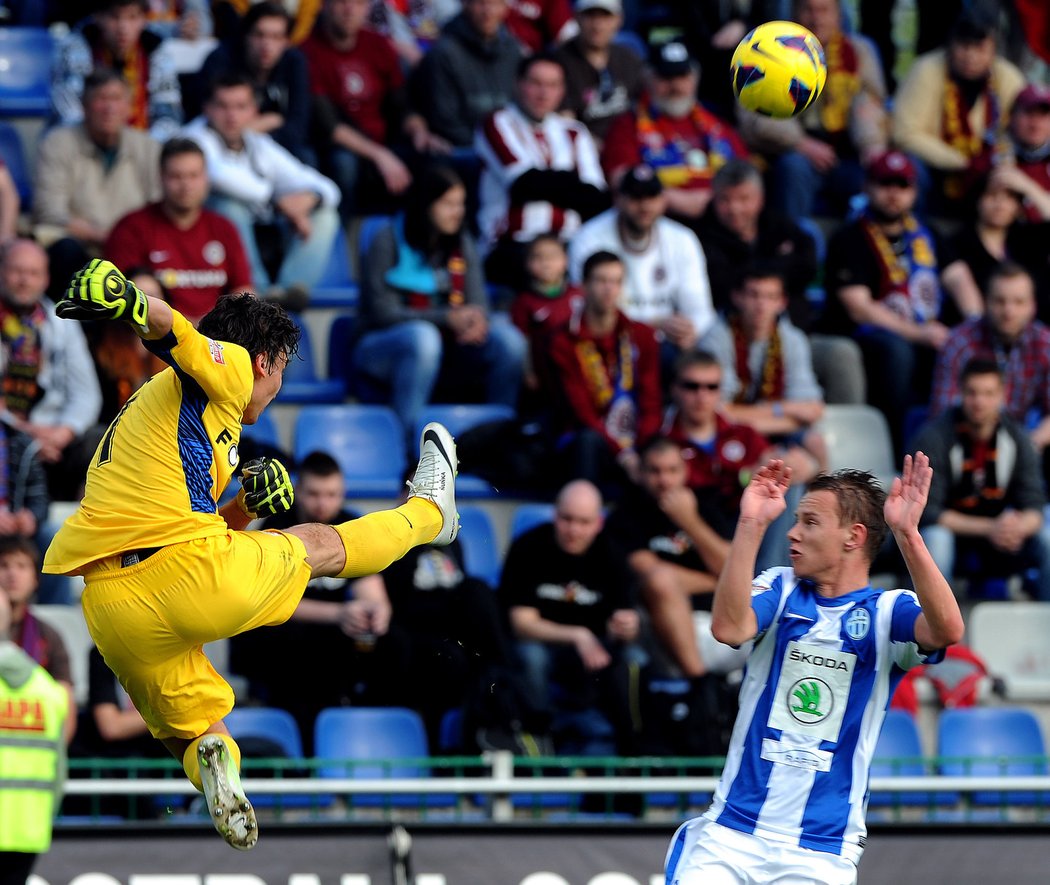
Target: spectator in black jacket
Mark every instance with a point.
(984, 518)
(740, 229)
(278, 71)
(469, 72)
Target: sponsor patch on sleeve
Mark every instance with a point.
(216, 352)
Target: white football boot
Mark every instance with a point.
(435, 478)
(230, 810)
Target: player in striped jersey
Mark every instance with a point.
(829, 651)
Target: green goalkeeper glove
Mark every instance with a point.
(98, 291)
(266, 488)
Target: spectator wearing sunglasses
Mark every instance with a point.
(721, 455)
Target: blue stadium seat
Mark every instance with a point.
(362, 388)
(459, 418)
(13, 155)
(379, 734)
(301, 384)
(995, 741)
(337, 287)
(263, 431)
(528, 516)
(899, 740)
(450, 734)
(271, 723)
(25, 72)
(370, 226)
(478, 537)
(367, 441)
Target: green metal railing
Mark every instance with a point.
(501, 787)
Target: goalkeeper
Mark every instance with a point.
(167, 570)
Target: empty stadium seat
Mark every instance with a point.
(263, 431)
(1011, 638)
(858, 437)
(271, 723)
(337, 287)
(69, 621)
(367, 441)
(382, 735)
(460, 418)
(989, 742)
(255, 729)
(478, 537)
(528, 516)
(301, 383)
(899, 740)
(340, 350)
(25, 72)
(13, 155)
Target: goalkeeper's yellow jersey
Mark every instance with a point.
(166, 458)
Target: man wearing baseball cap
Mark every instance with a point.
(1029, 134)
(672, 132)
(603, 79)
(883, 280)
(665, 273)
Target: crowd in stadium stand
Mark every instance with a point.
(560, 211)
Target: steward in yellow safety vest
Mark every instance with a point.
(33, 708)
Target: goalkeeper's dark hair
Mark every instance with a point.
(860, 499)
(260, 327)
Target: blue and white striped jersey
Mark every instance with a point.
(812, 703)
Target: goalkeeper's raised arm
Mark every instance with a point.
(99, 291)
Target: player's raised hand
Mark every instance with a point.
(908, 494)
(763, 499)
(99, 291)
(266, 488)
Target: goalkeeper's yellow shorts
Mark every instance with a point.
(150, 620)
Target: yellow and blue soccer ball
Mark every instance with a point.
(778, 69)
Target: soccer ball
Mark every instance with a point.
(778, 69)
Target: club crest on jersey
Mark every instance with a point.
(233, 455)
(857, 624)
(216, 352)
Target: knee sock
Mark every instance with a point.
(378, 539)
(192, 767)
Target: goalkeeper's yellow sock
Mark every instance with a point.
(192, 767)
(378, 539)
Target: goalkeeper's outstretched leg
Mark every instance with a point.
(167, 570)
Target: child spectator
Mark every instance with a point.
(547, 304)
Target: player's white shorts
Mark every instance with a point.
(703, 852)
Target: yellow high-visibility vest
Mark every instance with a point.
(32, 760)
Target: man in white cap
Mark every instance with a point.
(665, 272)
(603, 78)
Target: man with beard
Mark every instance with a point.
(665, 272)
(673, 133)
(884, 289)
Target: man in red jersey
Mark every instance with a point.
(195, 254)
(358, 85)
